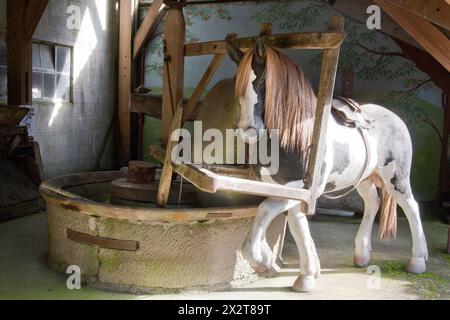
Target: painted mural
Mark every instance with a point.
(380, 74)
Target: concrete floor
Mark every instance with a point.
(24, 273)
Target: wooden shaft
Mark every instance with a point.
(125, 37)
(173, 69)
(166, 173)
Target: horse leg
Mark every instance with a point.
(368, 193)
(400, 189)
(309, 262)
(256, 250)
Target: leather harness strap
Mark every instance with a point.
(361, 125)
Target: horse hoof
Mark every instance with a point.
(361, 261)
(416, 266)
(304, 283)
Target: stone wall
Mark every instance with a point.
(71, 134)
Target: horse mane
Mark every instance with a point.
(290, 101)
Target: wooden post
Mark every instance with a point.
(22, 19)
(173, 67)
(19, 53)
(127, 9)
(166, 174)
(444, 174)
(324, 99)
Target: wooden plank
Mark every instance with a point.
(33, 13)
(107, 243)
(147, 26)
(210, 182)
(173, 73)
(323, 109)
(127, 9)
(435, 11)
(296, 40)
(204, 81)
(425, 33)
(151, 105)
(166, 175)
(357, 10)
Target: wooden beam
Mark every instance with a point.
(147, 26)
(425, 33)
(18, 55)
(323, 110)
(206, 78)
(151, 105)
(211, 182)
(297, 40)
(173, 73)
(166, 174)
(435, 11)
(126, 15)
(357, 10)
(33, 13)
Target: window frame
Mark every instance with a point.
(54, 46)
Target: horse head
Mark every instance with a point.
(250, 87)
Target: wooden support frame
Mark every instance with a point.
(297, 40)
(210, 182)
(147, 26)
(173, 73)
(127, 11)
(423, 31)
(323, 109)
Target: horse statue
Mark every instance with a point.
(273, 93)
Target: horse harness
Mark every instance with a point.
(350, 114)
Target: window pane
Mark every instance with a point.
(37, 85)
(49, 85)
(3, 82)
(2, 52)
(63, 59)
(46, 54)
(36, 56)
(63, 87)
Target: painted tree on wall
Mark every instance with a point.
(154, 59)
(364, 52)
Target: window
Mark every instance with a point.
(3, 70)
(52, 72)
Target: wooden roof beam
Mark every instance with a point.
(147, 27)
(435, 11)
(357, 10)
(33, 13)
(423, 31)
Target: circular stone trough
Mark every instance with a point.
(146, 249)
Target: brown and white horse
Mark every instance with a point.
(274, 94)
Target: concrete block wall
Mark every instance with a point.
(70, 135)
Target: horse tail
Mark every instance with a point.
(388, 213)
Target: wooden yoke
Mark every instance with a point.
(323, 110)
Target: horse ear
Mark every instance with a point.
(260, 51)
(234, 52)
